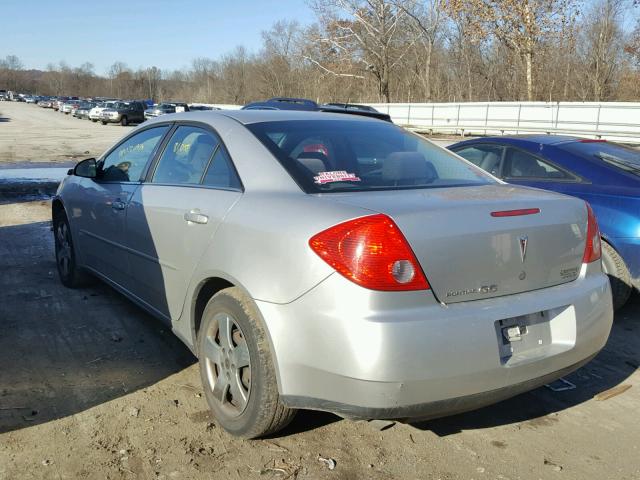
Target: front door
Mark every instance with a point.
(102, 214)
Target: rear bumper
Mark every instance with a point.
(429, 410)
(365, 354)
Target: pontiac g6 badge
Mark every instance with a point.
(523, 247)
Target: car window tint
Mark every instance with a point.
(486, 157)
(221, 172)
(520, 164)
(186, 156)
(127, 162)
(349, 155)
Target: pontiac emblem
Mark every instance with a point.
(523, 247)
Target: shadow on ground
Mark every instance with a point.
(63, 351)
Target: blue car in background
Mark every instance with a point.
(605, 174)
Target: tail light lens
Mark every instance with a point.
(593, 247)
(372, 252)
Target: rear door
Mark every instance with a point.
(103, 202)
(174, 214)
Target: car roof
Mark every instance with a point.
(539, 139)
(247, 117)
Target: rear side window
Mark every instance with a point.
(352, 155)
(186, 156)
(521, 164)
(195, 156)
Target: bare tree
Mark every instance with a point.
(518, 24)
(366, 34)
(601, 40)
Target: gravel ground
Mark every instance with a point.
(92, 387)
(31, 134)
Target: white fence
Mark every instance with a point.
(609, 120)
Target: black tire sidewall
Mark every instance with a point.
(255, 337)
(618, 274)
(67, 280)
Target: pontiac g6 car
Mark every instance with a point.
(334, 262)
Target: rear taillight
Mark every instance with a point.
(372, 252)
(593, 247)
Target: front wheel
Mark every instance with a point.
(104, 123)
(619, 276)
(70, 274)
(124, 121)
(237, 369)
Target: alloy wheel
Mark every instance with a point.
(63, 248)
(228, 364)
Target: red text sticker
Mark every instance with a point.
(338, 176)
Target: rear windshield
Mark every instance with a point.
(338, 156)
(621, 157)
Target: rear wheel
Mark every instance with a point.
(104, 123)
(124, 121)
(619, 276)
(237, 369)
(70, 274)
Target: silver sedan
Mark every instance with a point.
(328, 261)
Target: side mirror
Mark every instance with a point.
(86, 168)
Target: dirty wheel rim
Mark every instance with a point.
(228, 364)
(63, 251)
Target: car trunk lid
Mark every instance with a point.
(469, 254)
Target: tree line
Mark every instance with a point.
(393, 51)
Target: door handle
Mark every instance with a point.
(118, 205)
(194, 216)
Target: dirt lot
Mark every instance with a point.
(32, 134)
(92, 387)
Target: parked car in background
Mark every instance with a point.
(96, 112)
(605, 174)
(164, 108)
(57, 105)
(196, 108)
(285, 103)
(30, 99)
(69, 106)
(123, 113)
(83, 110)
(336, 262)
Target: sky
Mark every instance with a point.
(167, 34)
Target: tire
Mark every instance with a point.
(255, 410)
(619, 277)
(104, 123)
(93, 120)
(124, 121)
(70, 274)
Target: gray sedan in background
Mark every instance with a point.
(328, 261)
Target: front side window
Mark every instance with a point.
(127, 161)
(487, 157)
(521, 164)
(347, 155)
